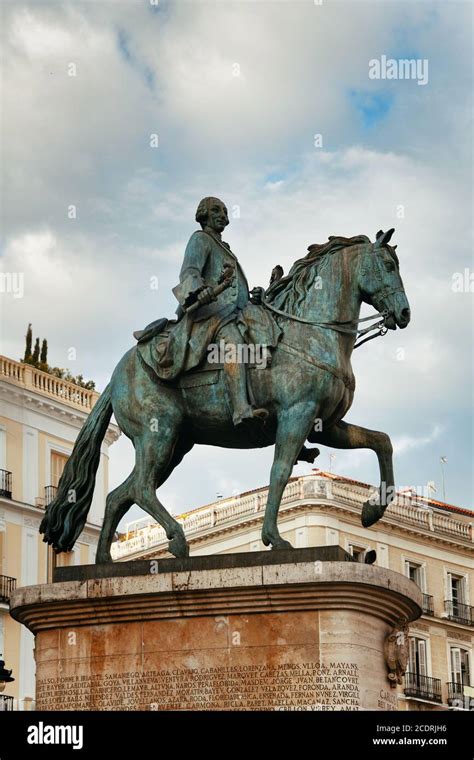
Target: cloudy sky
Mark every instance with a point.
(131, 111)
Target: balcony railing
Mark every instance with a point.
(5, 484)
(428, 607)
(423, 687)
(456, 690)
(6, 703)
(49, 494)
(41, 382)
(305, 489)
(459, 613)
(7, 585)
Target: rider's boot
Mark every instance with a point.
(235, 376)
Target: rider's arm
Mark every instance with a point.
(191, 281)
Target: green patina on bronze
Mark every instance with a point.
(166, 396)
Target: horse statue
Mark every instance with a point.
(307, 389)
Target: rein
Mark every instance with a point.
(342, 327)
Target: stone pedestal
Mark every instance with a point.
(260, 631)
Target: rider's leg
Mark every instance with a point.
(236, 378)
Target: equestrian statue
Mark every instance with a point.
(239, 369)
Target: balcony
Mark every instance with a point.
(49, 494)
(456, 696)
(32, 379)
(6, 703)
(423, 687)
(459, 613)
(428, 607)
(7, 585)
(5, 484)
(236, 509)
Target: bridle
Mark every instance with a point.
(345, 327)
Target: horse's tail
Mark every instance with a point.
(66, 516)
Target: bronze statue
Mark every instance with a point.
(167, 395)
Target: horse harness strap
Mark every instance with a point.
(347, 379)
(344, 327)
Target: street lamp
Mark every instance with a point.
(5, 675)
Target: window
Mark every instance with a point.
(416, 573)
(418, 684)
(358, 552)
(417, 662)
(459, 661)
(58, 463)
(457, 594)
(456, 589)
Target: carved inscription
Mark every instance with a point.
(286, 686)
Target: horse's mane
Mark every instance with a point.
(288, 293)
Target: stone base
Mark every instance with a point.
(296, 633)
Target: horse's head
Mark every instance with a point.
(380, 282)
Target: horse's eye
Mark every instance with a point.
(389, 266)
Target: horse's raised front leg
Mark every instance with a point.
(293, 426)
(343, 435)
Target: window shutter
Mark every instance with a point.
(423, 578)
(448, 588)
(456, 665)
(58, 463)
(3, 449)
(411, 665)
(422, 657)
(467, 674)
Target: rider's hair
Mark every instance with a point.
(203, 209)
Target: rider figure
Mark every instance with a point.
(218, 318)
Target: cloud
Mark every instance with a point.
(236, 93)
(406, 443)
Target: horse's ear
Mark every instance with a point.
(384, 237)
(379, 234)
(277, 274)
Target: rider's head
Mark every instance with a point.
(212, 213)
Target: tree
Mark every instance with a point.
(28, 341)
(39, 359)
(36, 352)
(44, 352)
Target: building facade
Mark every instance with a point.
(430, 542)
(40, 418)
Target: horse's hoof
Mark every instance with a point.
(179, 547)
(312, 454)
(276, 542)
(103, 558)
(371, 513)
(282, 544)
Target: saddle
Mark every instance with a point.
(162, 345)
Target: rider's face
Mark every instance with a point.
(217, 218)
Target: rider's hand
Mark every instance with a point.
(206, 296)
(256, 295)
